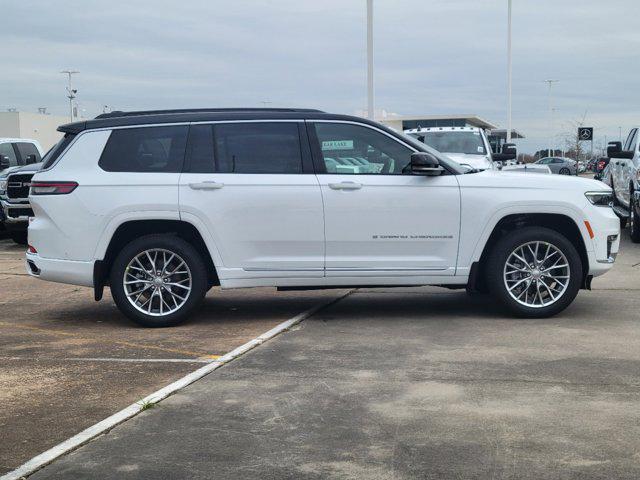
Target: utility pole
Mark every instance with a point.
(550, 82)
(370, 109)
(71, 92)
(509, 75)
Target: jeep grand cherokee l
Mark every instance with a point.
(160, 206)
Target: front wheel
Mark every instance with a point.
(158, 280)
(634, 219)
(535, 272)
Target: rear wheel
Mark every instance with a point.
(535, 272)
(158, 280)
(564, 171)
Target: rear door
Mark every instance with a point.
(251, 184)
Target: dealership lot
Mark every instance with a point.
(385, 382)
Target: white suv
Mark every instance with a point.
(163, 205)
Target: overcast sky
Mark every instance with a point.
(431, 57)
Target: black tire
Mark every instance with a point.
(19, 237)
(634, 220)
(172, 244)
(564, 171)
(500, 254)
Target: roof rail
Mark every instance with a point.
(118, 113)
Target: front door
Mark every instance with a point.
(379, 219)
(252, 185)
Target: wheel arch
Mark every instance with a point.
(132, 229)
(559, 222)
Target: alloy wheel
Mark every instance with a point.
(157, 282)
(536, 274)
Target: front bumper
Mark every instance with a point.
(605, 243)
(16, 212)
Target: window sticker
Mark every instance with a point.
(480, 150)
(337, 145)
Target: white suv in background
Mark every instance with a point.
(163, 205)
(468, 146)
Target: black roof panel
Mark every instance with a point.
(121, 119)
(119, 113)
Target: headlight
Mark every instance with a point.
(600, 199)
(3, 186)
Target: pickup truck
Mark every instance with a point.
(624, 179)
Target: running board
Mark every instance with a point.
(621, 211)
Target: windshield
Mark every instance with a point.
(467, 142)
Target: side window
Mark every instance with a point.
(145, 149)
(26, 149)
(257, 148)
(354, 149)
(6, 150)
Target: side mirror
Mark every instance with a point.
(30, 159)
(4, 162)
(509, 152)
(613, 148)
(423, 163)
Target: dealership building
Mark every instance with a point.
(36, 126)
(497, 137)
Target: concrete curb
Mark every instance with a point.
(108, 423)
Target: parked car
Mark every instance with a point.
(561, 165)
(467, 146)
(527, 168)
(160, 206)
(16, 154)
(599, 167)
(624, 178)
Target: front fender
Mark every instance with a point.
(472, 252)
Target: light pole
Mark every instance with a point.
(370, 110)
(71, 93)
(509, 74)
(550, 82)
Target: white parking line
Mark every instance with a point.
(108, 423)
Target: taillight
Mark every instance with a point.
(52, 188)
(31, 249)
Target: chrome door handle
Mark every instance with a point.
(206, 186)
(345, 186)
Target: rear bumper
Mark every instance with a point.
(62, 271)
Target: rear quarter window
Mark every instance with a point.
(54, 153)
(145, 149)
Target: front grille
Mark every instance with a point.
(19, 212)
(18, 185)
